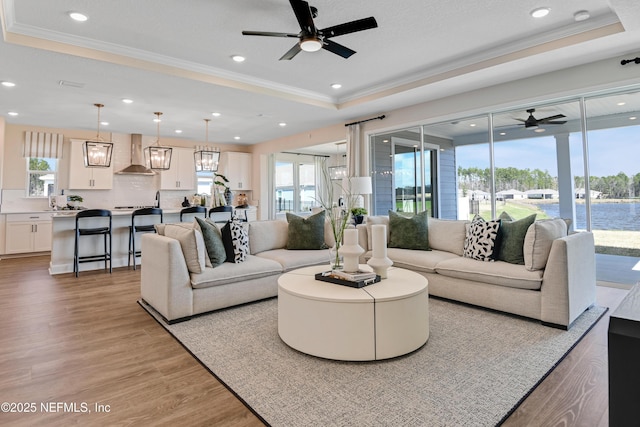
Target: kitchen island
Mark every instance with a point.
(63, 237)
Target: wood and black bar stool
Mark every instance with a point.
(142, 225)
(100, 221)
(193, 211)
(221, 213)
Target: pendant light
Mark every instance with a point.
(156, 156)
(97, 154)
(206, 158)
(338, 172)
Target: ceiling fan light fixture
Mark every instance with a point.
(311, 44)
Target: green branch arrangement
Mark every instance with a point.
(338, 216)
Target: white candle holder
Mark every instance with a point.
(350, 250)
(379, 260)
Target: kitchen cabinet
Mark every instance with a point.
(83, 178)
(182, 174)
(28, 233)
(237, 168)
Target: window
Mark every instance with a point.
(295, 183)
(41, 176)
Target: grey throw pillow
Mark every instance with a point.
(512, 239)
(306, 233)
(213, 242)
(409, 232)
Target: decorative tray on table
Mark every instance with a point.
(358, 279)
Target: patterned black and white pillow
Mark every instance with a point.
(480, 242)
(236, 241)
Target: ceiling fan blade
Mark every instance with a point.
(520, 120)
(546, 119)
(350, 27)
(303, 14)
(555, 122)
(291, 52)
(338, 49)
(268, 34)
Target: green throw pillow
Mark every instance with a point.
(213, 242)
(409, 232)
(306, 233)
(512, 239)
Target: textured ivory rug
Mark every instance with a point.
(475, 369)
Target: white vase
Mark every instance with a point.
(351, 251)
(379, 260)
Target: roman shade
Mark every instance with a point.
(42, 144)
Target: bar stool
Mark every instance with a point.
(104, 231)
(194, 210)
(141, 228)
(221, 213)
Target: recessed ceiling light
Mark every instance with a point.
(503, 133)
(630, 118)
(581, 15)
(216, 114)
(620, 104)
(282, 124)
(336, 85)
(12, 113)
(473, 125)
(77, 16)
(540, 12)
(238, 58)
(104, 123)
(178, 131)
(236, 137)
(539, 130)
(8, 84)
(127, 100)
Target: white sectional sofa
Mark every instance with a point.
(177, 294)
(556, 284)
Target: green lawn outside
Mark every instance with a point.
(514, 209)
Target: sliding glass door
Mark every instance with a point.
(403, 173)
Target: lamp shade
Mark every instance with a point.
(97, 154)
(359, 185)
(206, 159)
(157, 157)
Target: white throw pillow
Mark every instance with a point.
(538, 241)
(447, 235)
(192, 244)
(480, 242)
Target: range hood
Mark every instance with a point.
(137, 162)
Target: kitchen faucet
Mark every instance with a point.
(157, 199)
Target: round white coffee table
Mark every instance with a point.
(379, 321)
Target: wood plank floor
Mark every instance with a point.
(86, 340)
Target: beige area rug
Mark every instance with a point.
(476, 368)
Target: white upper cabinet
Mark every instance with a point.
(83, 178)
(182, 174)
(237, 168)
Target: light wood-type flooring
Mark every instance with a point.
(86, 342)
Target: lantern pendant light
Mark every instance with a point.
(97, 153)
(156, 156)
(206, 158)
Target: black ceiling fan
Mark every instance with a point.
(532, 123)
(310, 38)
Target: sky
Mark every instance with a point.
(611, 151)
